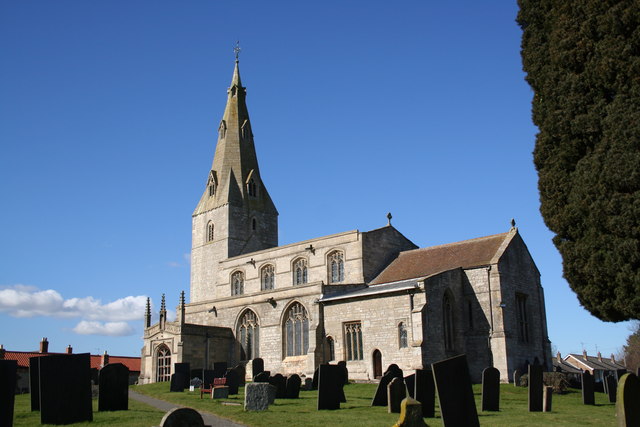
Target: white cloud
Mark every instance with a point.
(114, 329)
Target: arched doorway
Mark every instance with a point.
(163, 363)
(377, 364)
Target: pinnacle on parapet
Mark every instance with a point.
(163, 306)
(182, 299)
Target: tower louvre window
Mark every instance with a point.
(237, 283)
(210, 230)
(252, 188)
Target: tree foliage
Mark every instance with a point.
(632, 349)
(582, 59)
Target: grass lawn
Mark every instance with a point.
(138, 415)
(567, 409)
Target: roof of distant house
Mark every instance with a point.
(22, 357)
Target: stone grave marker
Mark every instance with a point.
(8, 378)
(181, 417)
(177, 383)
(256, 396)
(410, 382)
(195, 373)
(242, 374)
(262, 377)
(314, 382)
(410, 414)
(233, 381)
(219, 369)
(34, 383)
(113, 388)
(380, 398)
(425, 392)
(535, 388)
(604, 384)
(396, 392)
(628, 396)
(394, 370)
(620, 373)
(611, 386)
(220, 392)
(257, 366)
(588, 386)
(329, 387)
(490, 389)
(65, 388)
(293, 386)
(457, 404)
(516, 377)
(547, 397)
(272, 394)
(207, 377)
(308, 384)
(280, 383)
(345, 372)
(182, 373)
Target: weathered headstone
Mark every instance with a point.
(308, 384)
(396, 392)
(490, 389)
(195, 373)
(262, 377)
(534, 379)
(177, 382)
(457, 404)
(627, 407)
(257, 366)
(394, 370)
(34, 383)
(329, 387)
(220, 392)
(183, 374)
(256, 396)
(8, 378)
(314, 382)
(113, 388)
(425, 392)
(611, 386)
(65, 388)
(345, 372)
(588, 386)
(242, 374)
(410, 414)
(547, 397)
(380, 398)
(280, 383)
(620, 373)
(181, 417)
(516, 377)
(219, 369)
(272, 394)
(233, 381)
(410, 382)
(208, 377)
(293, 386)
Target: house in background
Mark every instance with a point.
(597, 366)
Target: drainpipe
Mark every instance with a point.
(490, 316)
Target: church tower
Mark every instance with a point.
(235, 214)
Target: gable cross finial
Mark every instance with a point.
(389, 216)
(237, 49)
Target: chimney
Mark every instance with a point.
(2, 351)
(559, 357)
(599, 357)
(584, 355)
(104, 359)
(69, 349)
(44, 345)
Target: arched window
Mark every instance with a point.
(336, 267)
(210, 231)
(447, 321)
(402, 335)
(296, 331)
(331, 349)
(237, 283)
(267, 277)
(252, 188)
(300, 271)
(353, 340)
(163, 363)
(248, 333)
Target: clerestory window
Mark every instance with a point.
(237, 283)
(267, 277)
(300, 271)
(336, 267)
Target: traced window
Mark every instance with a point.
(353, 340)
(237, 283)
(523, 322)
(163, 363)
(300, 271)
(331, 349)
(336, 267)
(210, 231)
(447, 321)
(252, 188)
(267, 277)
(402, 335)
(296, 331)
(248, 333)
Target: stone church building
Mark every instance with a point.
(370, 298)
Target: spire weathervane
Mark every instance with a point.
(237, 49)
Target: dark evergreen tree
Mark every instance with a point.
(582, 59)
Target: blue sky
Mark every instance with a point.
(108, 118)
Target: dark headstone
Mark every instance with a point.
(262, 377)
(410, 382)
(219, 369)
(195, 373)
(425, 392)
(242, 374)
(620, 373)
(588, 394)
(396, 391)
(490, 389)
(627, 408)
(329, 377)
(604, 384)
(280, 383)
(547, 397)
(177, 382)
(345, 372)
(637, 372)
(8, 378)
(534, 378)
(257, 366)
(516, 377)
(380, 398)
(314, 382)
(113, 386)
(457, 404)
(271, 393)
(611, 387)
(233, 381)
(394, 370)
(308, 384)
(65, 388)
(293, 386)
(182, 417)
(34, 383)
(220, 392)
(185, 373)
(208, 377)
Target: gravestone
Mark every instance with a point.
(195, 382)
(329, 387)
(490, 389)
(293, 386)
(308, 384)
(233, 381)
(177, 382)
(271, 391)
(34, 383)
(380, 398)
(219, 369)
(611, 386)
(410, 382)
(394, 370)
(588, 386)
(65, 388)
(182, 373)
(280, 383)
(257, 366)
(195, 373)
(262, 377)
(516, 377)
(425, 392)
(242, 374)
(113, 388)
(207, 377)
(180, 417)
(314, 382)
(547, 397)
(620, 373)
(627, 408)
(8, 378)
(220, 392)
(396, 392)
(410, 414)
(535, 388)
(457, 404)
(256, 396)
(345, 372)
(604, 383)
